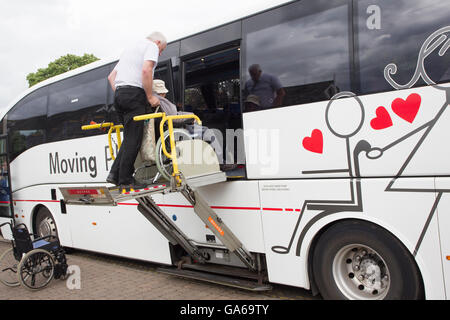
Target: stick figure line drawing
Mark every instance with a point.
(328, 207)
(430, 45)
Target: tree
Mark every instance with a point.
(60, 65)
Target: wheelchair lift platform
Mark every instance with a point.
(188, 175)
(104, 196)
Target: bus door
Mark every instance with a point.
(212, 91)
(164, 72)
(6, 204)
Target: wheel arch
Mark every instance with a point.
(34, 213)
(311, 246)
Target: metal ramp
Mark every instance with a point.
(217, 279)
(103, 196)
(197, 176)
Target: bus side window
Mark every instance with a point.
(26, 122)
(386, 36)
(296, 54)
(212, 91)
(112, 115)
(75, 102)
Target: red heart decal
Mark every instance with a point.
(407, 110)
(383, 119)
(315, 142)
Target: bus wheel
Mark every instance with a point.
(357, 260)
(45, 224)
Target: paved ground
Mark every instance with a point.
(105, 277)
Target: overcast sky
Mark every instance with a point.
(36, 32)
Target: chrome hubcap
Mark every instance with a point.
(360, 273)
(47, 227)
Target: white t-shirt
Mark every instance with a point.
(129, 68)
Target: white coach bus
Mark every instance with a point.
(335, 193)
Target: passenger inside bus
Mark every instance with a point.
(252, 103)
(212, 92)
(266, 87)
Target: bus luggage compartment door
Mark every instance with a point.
(87, 195)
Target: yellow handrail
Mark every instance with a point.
(119, 138)
(97, 126)
(169, 119)
(111, 127)
(149, 116)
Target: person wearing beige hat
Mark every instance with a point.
(160, 91)
(159, 87)
(252, 103)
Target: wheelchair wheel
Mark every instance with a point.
(8, 269)
(163, 163)
(36, 269)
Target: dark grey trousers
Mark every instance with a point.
(129, 102)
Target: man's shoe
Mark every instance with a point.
(135, 185)
(112, 179)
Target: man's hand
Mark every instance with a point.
(154, 101)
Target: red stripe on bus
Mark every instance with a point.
(36, 200)
(235, 208)
(179, 206)
(174, 206)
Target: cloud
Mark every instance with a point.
(35, 33)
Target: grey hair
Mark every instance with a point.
(254, 67)
(157, 36)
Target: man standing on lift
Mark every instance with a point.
(132, 82)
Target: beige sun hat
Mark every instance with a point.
(253, 99)
(159, 86)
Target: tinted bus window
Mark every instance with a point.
(27, 122)
(169, 62)
(393, 32)
(112, 114)
(212, 92)
(303, 54)
(164, 72)
(75, 102)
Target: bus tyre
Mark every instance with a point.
(358, 260)
(45, 223)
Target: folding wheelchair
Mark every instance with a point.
(32, 262)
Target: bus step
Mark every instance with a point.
(121, 195)
(103, 196)
(206, 179)
(218, 279)
(223, 270)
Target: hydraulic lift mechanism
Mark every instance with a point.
(185, 180)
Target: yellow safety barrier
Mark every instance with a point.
(111, 127)
(149, 116)
(169, 120)
(97, 126)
